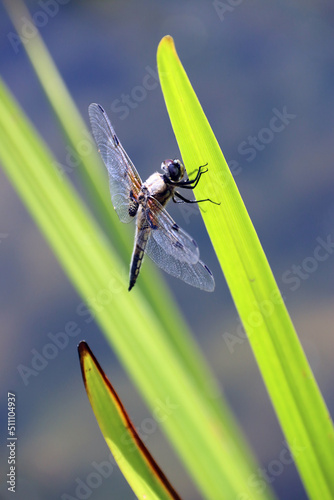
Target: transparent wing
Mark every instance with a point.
(124, 179)
(168, 235)
(198, 274)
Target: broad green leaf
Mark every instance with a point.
(133, 458)
(287, 375)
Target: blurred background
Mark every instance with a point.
(263, 72)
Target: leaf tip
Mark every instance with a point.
(85, 354)
(83, 349)
(167, 43)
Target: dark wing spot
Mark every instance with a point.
(116, 141)
(177, 244)
(150, 219)
(206, 267)
(175, 227)
(133, 205)
(133, 210)
(101, 109)
(195, 244)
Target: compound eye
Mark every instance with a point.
(174, 170)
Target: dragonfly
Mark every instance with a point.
(157, 235)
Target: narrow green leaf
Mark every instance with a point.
(133, 458)
(291, 385)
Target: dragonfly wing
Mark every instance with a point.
(198, 274)
(169, 236)
(124, 180)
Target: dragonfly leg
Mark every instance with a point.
(182, 199)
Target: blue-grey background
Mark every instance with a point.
(247, 60)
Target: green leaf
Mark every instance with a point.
(133, 458)
(291, 385)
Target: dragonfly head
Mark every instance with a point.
(173, 169)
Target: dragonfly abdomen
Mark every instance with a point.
(138, 255)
